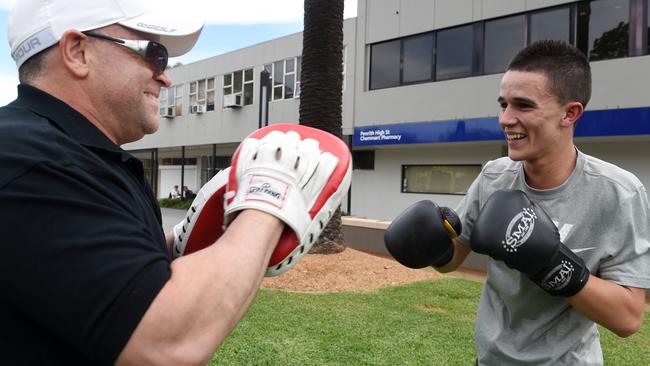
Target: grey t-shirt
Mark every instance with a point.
(603, 215)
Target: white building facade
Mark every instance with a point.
(421, 79)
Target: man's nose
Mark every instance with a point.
(507, 117)
(164, 79)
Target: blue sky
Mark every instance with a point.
(230, 25)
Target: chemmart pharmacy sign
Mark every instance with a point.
(609, 122)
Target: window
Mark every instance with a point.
(604, 26)
(439, 179)
(454, 52)
(240, 82)
(249, 86)
(177, 161)
(418, 58)
(296, 93)
(285, 78)
(600, 28)
(503, 39)
(363, 159)
(171, 99)
(212, 164)
(162, 102)
(278, 80)
(269, 68)
(289, 78)
(551, 24)
(202, 93)
(385, 64)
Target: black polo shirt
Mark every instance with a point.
(83, 253)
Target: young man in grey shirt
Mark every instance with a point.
(577, 254)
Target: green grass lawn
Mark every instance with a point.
(426, 323)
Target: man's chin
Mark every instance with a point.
(137, 135)
(152, 127)
(514, 156)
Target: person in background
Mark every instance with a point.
(187, 193)
(175, 193)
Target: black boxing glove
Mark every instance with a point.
(421, 235)
(513, 229)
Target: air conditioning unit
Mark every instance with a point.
(233, 101)
(197, 108)
(169, 112)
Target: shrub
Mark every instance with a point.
(175, 203)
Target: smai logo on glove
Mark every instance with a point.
(519, 230)
(531, 244)
(559, 277)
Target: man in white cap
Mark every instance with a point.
(87, 272)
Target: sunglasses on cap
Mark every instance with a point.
(151, 52)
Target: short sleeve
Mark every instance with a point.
(629, 265)
(78, 258)
(468, 210)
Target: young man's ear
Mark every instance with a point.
(73, 49)
(572, 113)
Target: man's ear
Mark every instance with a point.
(73, 49)
(572, 112)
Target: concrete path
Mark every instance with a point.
(171, 217)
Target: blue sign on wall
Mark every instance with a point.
(610, 122)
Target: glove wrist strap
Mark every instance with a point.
(564, 275)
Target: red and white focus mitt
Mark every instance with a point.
(203, 223)
(296, 173)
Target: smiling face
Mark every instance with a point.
(538, 129)
(128, 88)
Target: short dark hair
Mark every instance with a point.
(565, 66)
(33, 67)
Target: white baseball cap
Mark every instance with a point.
(35, 25)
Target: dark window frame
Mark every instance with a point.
(638, 39)
(582, 38)
(572, 20)
(372, 51)
(363, 159)
(405, 166)
(639, 29)
(525, 38)
(473, 58)
(432, 37)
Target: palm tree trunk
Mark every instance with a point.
(321, 83)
